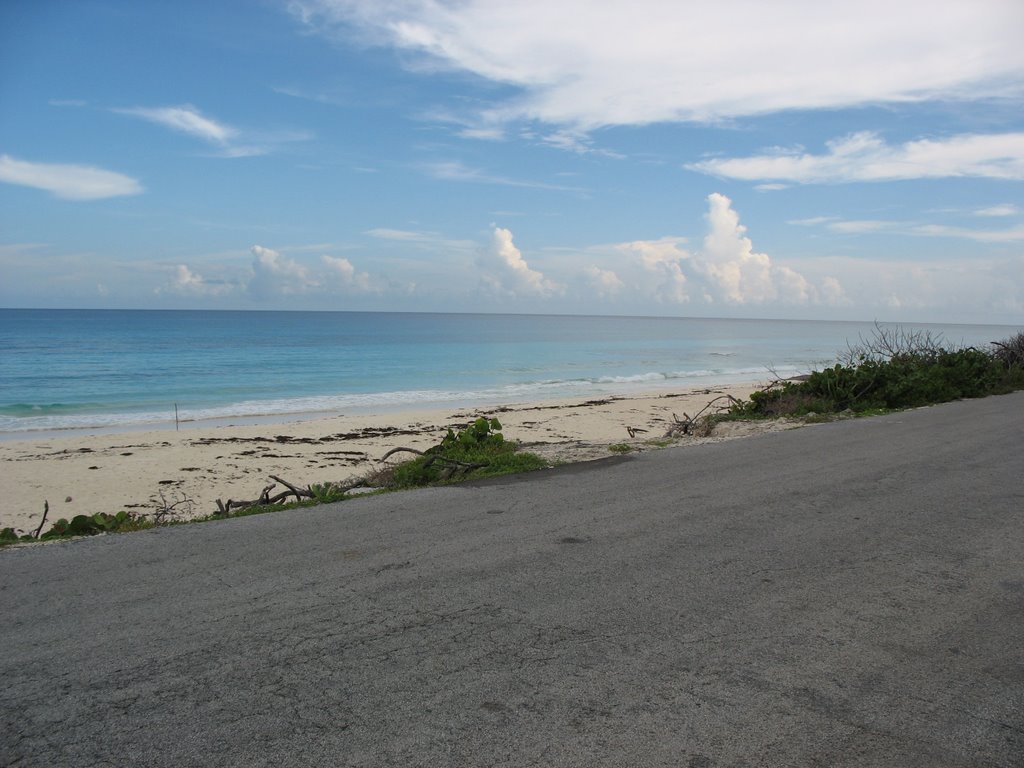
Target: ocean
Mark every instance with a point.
(103, 369)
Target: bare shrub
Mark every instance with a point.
(1010, 351)
(896, 343)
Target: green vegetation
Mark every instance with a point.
(894, 369)
(479, 450)
(80, 525)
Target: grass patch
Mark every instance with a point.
(620, 448)
(659, 443)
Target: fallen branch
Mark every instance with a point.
(450, 467)
(46, 511)
(687, 425)
(266, 500)
(393, 451)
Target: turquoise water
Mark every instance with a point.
(88, 369)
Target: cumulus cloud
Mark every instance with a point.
(947, 288)
(507, 273)
(865, 156)
(185, 282)
(604, 282)
(726, 269)
(742, 274)
(345, 273)
(586, 64)
(665, 258)
(274, 274)
(69, 182)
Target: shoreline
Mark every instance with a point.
(142, 470)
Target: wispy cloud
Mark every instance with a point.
(875, 226)
(585, 64)
(70, 182)
(229, 141)
(1007, 209)
(404, 235)
(865, 156)
(1012, 235)
(457, 171)
(860, 226)
(185, 119)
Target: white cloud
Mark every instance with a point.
(812, 221)
(457, 171)
(604, 282)
(865, 156)
(506, 271)
(726, 269)
(952, 290)
(1012, 235)
(404, 235)
(743, 275)
(274, 274)
(860, 226)
(344, 272)
(1007, 209)
(189, 120)
(185, 282)
(586, 64)
(70, 182)
(186, 119)
(870, 226)
(664, 258)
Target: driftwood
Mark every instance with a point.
(450, 467)
(689, 425)
(300, 493)
(46, 511)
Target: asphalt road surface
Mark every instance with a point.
(850, 594)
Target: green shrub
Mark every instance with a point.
(893, 370)
(479, 450)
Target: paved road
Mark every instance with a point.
(850, 594)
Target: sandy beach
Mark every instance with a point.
(192, 468)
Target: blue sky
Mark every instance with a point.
(735, 159)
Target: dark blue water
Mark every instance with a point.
(62, 369)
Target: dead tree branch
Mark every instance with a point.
(702, 421)
(46, 511)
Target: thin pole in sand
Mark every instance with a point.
(175, 417)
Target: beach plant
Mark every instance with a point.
(478, 450)
(893, 370)
(79, 525)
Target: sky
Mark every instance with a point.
(808, 160)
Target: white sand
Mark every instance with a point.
(140, 471)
